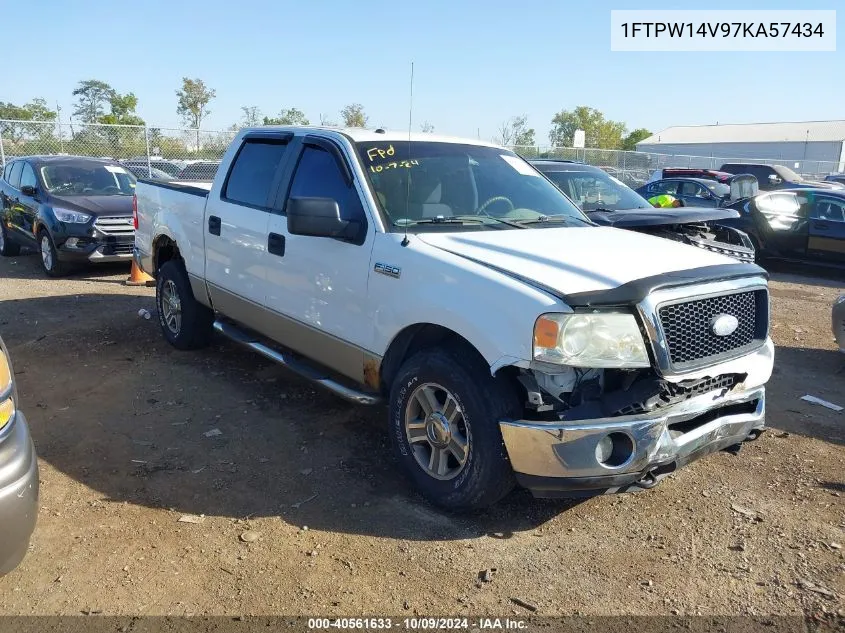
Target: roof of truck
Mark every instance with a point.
(362, 135)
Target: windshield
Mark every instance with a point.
(90, 179)
(592, 190)
(427, 183)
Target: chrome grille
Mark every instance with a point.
(688, 330)
(115, 225)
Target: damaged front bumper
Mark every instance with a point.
(621, 453)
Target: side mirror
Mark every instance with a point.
(28, 190)
(319, 217)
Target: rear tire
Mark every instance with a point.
(185, 322)
(443, 405)
(7, 247)
(49, 257)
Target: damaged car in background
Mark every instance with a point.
(513, 340)
(609, 202)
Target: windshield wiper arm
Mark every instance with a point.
(440, 220)
(548, 219)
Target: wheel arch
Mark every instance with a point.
(420, 336)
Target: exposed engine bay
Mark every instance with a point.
(712, 237)
(574, 393)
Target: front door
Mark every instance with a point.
(237, 215)
(26, 211)
(827, 229)
(317, 286)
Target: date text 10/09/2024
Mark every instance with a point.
(722, 29)
(416, 624)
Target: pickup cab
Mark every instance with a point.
(513, 340)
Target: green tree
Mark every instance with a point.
(427, 128)
(35, 110)
(290, 116)
(630, 141)
(252, 116)
(515, 132)
(92, 97)
(122, 110)
(192, 106)
(353, 115)
(598, 131)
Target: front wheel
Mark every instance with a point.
(444, 424)
(49, 257)
(185, 322)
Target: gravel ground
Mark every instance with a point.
(213, 482)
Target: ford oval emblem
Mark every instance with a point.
(724, 324)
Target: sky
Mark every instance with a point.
(476, 62)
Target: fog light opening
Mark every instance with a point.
(72, 242)
(614, 450)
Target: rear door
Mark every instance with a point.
(827, 229)
(317, 286)
(12, 203)
(236, 220)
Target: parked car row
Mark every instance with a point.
(608, 202)
(163, 169)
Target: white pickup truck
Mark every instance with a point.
(513, 340)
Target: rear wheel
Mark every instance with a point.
(49, 258)
(7, 247)
(185, 322)
(444, 423)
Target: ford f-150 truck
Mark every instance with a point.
(513, 340)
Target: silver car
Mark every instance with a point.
(18, 472)
(839, 322)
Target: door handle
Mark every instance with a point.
(214, 225)
(276, 244)
(821, 227)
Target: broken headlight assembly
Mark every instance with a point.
(601, 340)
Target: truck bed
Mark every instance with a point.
(171, 204)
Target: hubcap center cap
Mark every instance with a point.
(437, 430)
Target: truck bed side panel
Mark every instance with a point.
(175, 212)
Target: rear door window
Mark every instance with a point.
(15, 175)
(253, 173)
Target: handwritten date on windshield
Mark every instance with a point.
(393, 165)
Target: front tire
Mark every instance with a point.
(444, 424)
(185, 322)
(49, 257)
(7, 248)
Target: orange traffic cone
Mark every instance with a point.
(138, 277)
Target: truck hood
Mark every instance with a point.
(575, 260)
(630, 218)
(95, 205)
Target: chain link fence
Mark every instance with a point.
(636, 167)
(191, 154)
(146, 150)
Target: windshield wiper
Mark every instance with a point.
(551, 219)
(440, 220)
(459, 219)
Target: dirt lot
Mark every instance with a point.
(120, 422)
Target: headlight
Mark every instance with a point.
(72, 217)
(7, 388)
(590, 340)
